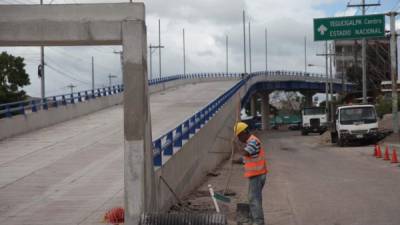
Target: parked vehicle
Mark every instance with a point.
(354, 123)
(314, 120)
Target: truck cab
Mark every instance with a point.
(314, 120)
(353, 123)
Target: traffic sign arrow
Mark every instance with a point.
(322, 29)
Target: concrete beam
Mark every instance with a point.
(265, 110)
(66, 25)
(253, 110)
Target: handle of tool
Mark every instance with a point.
(213, 198)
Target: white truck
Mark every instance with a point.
(314, 120)
(355, 123)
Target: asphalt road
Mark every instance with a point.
(311, 183)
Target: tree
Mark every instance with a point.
(12, 78)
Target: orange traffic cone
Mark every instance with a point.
(378, 152)
(394, 156)
(386, 157)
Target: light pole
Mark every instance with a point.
(393, 64)
(226, 50)
(110, 76)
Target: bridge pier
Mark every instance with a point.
(265, 111)
(253, 110)
(308, 96)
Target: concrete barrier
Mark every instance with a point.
(20, 124)
(189, 166)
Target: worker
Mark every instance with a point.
(255, 169)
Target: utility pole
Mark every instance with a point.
(159, 44)
(244, 41)
(266, 50)
(331, 82)
(393, 69)
(326, 54)
(249, 49)
(71, 86)
(184, 52)
(305, 55)
(121, 59)
(227, 59)
(109, 79)
(151, 48)
(344, 88)
(364, 49)
(42, 81)
(92, 73)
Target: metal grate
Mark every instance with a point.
(183, 219)
(359, 131)
(315, 123)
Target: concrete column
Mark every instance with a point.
(138, 155)
(308, 95)
(265, 110)
(253, 111)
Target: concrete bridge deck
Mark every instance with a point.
(70, 173)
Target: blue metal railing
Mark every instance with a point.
(35, 105)
(22, 107)
(164, 145)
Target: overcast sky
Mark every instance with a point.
(206, 23)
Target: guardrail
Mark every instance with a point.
(35, 105)
(164, 145)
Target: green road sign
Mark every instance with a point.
(351, 27)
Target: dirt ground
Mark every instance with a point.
(312, 183)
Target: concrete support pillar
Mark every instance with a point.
(308, 95)
(265, 110)
(253, 111)
(138, 154)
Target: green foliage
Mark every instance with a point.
(383, 106)
(12, 78)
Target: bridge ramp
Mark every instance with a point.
(70, 173)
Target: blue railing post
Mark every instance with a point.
(178, 137)
(34, 109)
(169, 150)
(72, 100)
(79, 97)
(8, 111)
(98, 93)
(186, 130)
(64, 102)
(55, 104)
(157, 160)
(198, 121)
(192, 129)
(45, 105)
(93, 94)
(22, 108)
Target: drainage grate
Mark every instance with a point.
(183, 219)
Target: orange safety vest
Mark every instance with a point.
(254, 166)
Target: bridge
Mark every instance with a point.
(72, 171)
(66, 159)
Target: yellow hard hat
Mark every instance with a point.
(239, 127)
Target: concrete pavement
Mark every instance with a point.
(71, 173)
(315, 183)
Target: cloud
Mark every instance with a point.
(206, 23)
